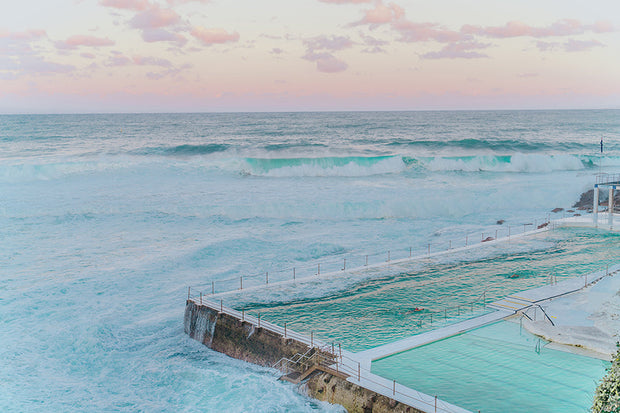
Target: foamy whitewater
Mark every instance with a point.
(105, 220)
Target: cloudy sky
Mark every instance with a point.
(264, 55)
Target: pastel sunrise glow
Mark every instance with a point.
(276, 55)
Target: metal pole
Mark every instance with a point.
(189, 289)
(388, 256)
(284, 330)
(241, 283)
(409, 252)
(201, 298)
(312, 339)
(318, 269)
(344, 266)
(393, 387)
(450, 247)
(258, 320)
(212, 287)
(366, 260)
(466, 239)
(340, 351)
(435, 404)
(359, 371)
(221, 306)
(293, 273)
(242, 315)
(267, 278)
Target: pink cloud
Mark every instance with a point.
(214, 36)
(87, 55)
(329, 43)
(394, 15)
(154, 18)
(84, 40)
(162, 35)
(173, 2)
(326, 62)
(382, 14)
(345, 1)
(459, 50)
(565, 27)
(151, 61)
(25, 35)
(118, 60)
(136, 5)
(581, 45)
(318, 50)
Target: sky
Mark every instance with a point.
(68, 56)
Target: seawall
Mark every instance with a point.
(314, 367)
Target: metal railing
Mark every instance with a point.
(605, 178)
(340, 362)
(353, 263)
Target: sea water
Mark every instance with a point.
(105, 220)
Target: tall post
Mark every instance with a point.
(293, 273)
(595, 206)
(611, 206)
(189, 290)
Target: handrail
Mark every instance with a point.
(359, 261)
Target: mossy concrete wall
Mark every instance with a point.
(354, 398)
(242, 340)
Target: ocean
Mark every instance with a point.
(106, 220)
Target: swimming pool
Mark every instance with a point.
(498, 368)
(377, 312)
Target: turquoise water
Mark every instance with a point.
(105, 220)
(379, 311)
(497, 369)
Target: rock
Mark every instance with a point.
(570, 210)
(555, 210)
(543, 225)
(500, 222)
(488, 239)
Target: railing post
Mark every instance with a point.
(258, 320)
(435, 404)
(394, 387)
(410, 248)
(344, 264)
(312, 339)
(284, 330)
(366, 261)
(212, 287)
(189, 289)
(241, 283)
(359, 371)
(450, 247)
(388, 256)
(340, 351)
(201, 298)
(267, 278)
(242, 314)
(293, 273)
(466, 239)
(221, 306)
(318, 269)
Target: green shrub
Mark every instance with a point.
(607, 395)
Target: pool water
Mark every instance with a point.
(380, 311)
(498, 368)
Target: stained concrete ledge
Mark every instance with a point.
(244, 340)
